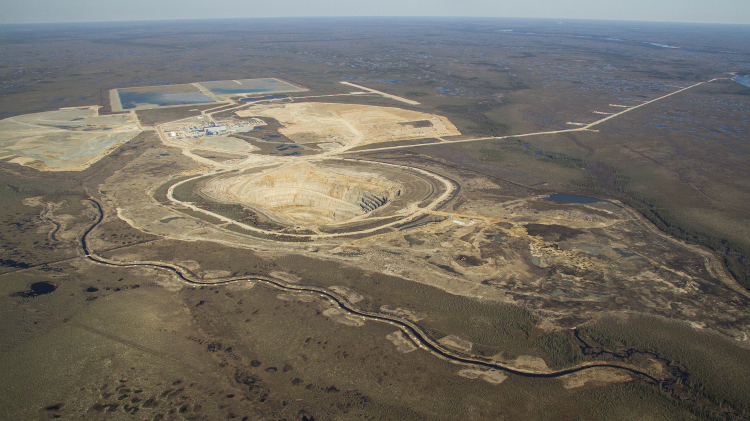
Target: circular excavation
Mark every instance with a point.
(322, 197)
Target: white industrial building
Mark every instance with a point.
(215, 129)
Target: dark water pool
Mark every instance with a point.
(131, 99)
(36, 289)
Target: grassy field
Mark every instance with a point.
(560, 348)
(309, 348)
(716, 366)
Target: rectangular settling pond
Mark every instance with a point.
(196, 93)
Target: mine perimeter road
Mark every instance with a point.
(449, 187)
(587, 127)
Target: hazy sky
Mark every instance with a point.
(713, 11)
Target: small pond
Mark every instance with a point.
(36, 289)
(743, 80)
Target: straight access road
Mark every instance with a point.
(587, 127)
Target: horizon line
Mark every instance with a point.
(364, 17)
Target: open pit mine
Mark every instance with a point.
(305, 193)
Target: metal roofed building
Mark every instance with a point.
(215, 129)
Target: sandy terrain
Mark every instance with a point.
(304, 193)
(70, 139)
(490, 376)
(402, 312)
(598, 377)
(350, 124)
(351, 295)
(344, 317)
(527, 362)
(403, 344)
(454, 342)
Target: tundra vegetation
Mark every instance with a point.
(492, 219)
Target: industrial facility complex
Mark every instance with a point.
(211, 128)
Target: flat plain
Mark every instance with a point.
(374, 219)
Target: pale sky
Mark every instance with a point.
(708, 11)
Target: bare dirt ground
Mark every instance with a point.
(490, 376)
(597, 377)
(568, 262)
(351, 124)
(69, 139)
(304, 193)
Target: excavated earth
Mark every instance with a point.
(569, 262)
(69, 139)
(352, 124)
(305, 193)
(329, 193)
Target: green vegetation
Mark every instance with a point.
(534, 79)
(717, 368)
(560, 348)
(631, 401)
(472, 117)
(491, 326)
(186, 192)
(73, 199)
(161, 192)
(619, 187)
(562, 159)
(24, 241)
(732, 253)
(511, 155)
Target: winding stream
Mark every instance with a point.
(415, 333)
